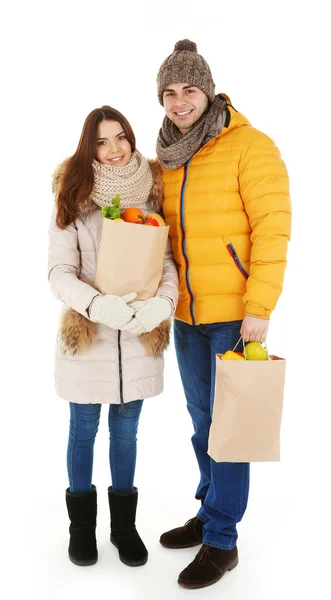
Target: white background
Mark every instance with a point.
(60, 60)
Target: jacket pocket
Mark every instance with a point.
(232, 251)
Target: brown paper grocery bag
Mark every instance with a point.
(247, 410)
(130, 258)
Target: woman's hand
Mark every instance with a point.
(113, 311)
(254, 329)
(150, 314)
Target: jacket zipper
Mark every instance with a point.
(120, 366)
(184, 241)
(232, 251)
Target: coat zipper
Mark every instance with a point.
(188, 283)
(232, 251)
(120, 366)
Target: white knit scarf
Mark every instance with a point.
(133, 182)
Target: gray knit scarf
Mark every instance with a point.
(174, 149)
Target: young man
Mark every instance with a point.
(227, 203)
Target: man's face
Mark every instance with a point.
(184, 105)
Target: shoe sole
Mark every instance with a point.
(83, 563)
(196, 586)
(139, 563)
(173, 547)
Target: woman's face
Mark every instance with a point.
(112, 146)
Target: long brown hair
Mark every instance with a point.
(76, 186)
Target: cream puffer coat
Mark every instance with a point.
(116, 368)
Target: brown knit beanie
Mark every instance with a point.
(185, 65)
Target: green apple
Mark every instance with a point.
(255, 351)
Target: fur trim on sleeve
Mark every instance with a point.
(157, 341)
(77, 334)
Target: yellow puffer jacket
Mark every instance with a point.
(229, 214)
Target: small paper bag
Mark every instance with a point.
(247, 410)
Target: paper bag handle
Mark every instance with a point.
(238, 342)
(241, 338)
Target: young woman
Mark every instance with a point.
(100, 354)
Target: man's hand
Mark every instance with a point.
(254, 329)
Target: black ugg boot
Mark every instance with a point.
(82, 511)
(123, 533)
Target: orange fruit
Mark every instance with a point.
(230, 355)
(133, 215)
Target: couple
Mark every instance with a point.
(222, 187)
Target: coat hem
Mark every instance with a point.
(69, 397)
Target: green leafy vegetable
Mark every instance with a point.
(114, 211)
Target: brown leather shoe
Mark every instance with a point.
(209, 566)
(184, 537)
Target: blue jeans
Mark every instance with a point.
(123, 425)
(223, 487)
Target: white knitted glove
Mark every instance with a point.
(112, 310)
(150, 315)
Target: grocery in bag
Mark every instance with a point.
(130, 258)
